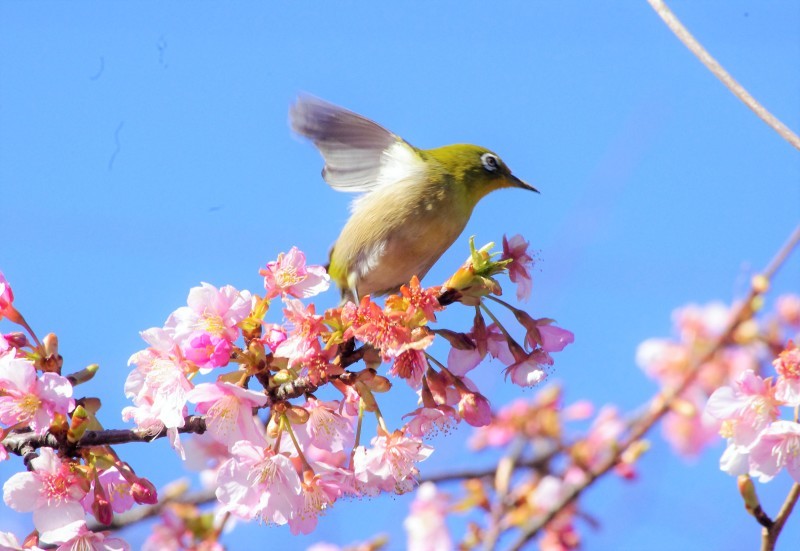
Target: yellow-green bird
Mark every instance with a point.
(415, 202)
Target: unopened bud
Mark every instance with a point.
(16, 339)
(50, 343)
(379, 384)
(274, 425)
(748, 492)
(283, 376)
(297, 415)
(683, 407)
(78, 425)
(144, 492)
(31, 541)
(84, 375)
(760, 284)
(475, 409)
(459, 341)
(635, 451)
(101, 509)
(461, 279)
(367, 399)
(746, 332)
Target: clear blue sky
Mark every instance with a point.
(144, 148)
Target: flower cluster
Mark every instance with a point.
(748, 414)
(283, 404)
(556, 462)
(669, 361)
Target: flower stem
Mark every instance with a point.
(288, 426)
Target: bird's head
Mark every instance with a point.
(478, 169)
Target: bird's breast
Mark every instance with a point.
(397, 232)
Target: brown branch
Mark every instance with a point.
(658, 406)
(718, 71)
(769, 535)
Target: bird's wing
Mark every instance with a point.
(359, 154)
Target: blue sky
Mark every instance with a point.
(144, 148)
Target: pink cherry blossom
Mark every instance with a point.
(410, 365)
(229, 411)
(528, 370)
(273, 335)
(9, 542)
(742, 411)
(745, 409)
(303, 340)
(516, 250)
(685, 428)
(475, 409)
(258, 483)
(788, 308)
(602, 438)
(320, 491)
(117, 490)
(787, 364)
(425, 524)
(490, 341)
(289, 275)
(210, 310)
(555, 339)
(427, 421)
(158, 387)
(6, 296)
(696, 322)
(86, 540)
(326, 428)
(52, 492)
(30, 400)
(207, 350)
(777, 446)
(389, 465)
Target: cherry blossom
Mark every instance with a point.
(289, 275)
(53, 493)
(327, 428)
(229, 410)
(776, 447)
(210, 310)
(26, 399)
(259, 483)
(516, 250)
(787, 365)
(425, 525)
(389, 465)
(6, 296)
(86, 540)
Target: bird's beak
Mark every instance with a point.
(516, 182)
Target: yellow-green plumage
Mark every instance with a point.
(416, 202)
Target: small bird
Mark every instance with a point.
(414, 203)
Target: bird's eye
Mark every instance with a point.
(490, 162)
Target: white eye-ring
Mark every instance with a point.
(490, 162)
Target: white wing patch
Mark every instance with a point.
(399, 162)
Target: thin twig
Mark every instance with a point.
(658, 406)
(769, 536)
(702, 54)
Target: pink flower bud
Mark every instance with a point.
(101, 509)
(6, 295)
(144, 492)
(16, 340)
(475, 409)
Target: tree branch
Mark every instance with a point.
(718, 71)
(659, 405)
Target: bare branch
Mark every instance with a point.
(697, 49)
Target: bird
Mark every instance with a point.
(414, 202)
